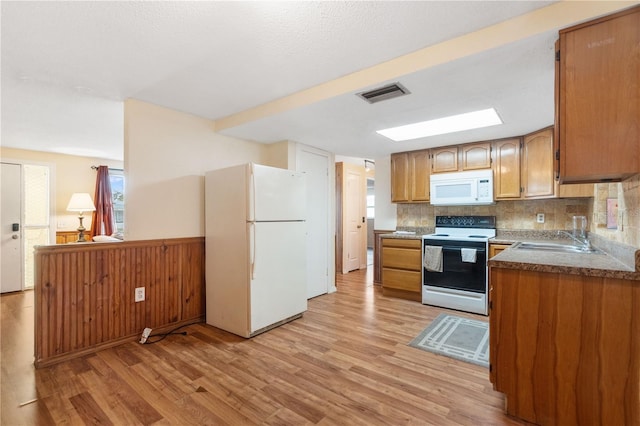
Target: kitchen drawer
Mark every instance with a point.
(402, 243)
(402, 280)
(402, 258)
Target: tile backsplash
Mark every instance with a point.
(558, 213)
(627, 197)
(521, 215)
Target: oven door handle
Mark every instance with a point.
(481, 250)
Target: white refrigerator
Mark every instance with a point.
(255, 245)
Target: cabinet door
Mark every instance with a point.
(444, 159)
(507, 169)
(476, 156)
(419, 171)
(537, 165)
(495, 249)
(599, 99)
(400, 177)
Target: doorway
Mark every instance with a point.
(351, 223)
(371, 207)
(26, 214)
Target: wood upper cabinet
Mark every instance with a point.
(410, 177)
(400, 177)
(537, 165)
(419, 167)
(475, 156)
(444, 159)
(537, 174)
(506, 154)
(461, 158)
(598, 99)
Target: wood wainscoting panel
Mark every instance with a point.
(84, 293)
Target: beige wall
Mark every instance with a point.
(69, 174)
(166, 156)
(386, 212)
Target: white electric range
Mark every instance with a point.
(463, 244)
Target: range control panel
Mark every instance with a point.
(488, 222)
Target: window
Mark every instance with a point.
(370, 199)
(116, 178)
(36, 215)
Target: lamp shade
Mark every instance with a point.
(80, 202)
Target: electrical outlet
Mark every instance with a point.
(139, 295)
(540, 218)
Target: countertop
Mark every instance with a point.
(615, 261)
(590, 264)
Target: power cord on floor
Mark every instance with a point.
(162, 336)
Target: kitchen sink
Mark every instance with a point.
(555, 247)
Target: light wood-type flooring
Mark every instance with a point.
(346, 362)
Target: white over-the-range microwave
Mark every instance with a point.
(474, 187)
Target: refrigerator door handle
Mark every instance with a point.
(252, 248)
(252, 195)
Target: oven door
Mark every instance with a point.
(456, 274)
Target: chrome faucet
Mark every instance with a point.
(583, 243)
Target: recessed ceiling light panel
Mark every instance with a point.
(441, 126)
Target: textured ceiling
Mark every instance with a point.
(67, 67)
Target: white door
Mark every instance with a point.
(315, 166)
(354, 225)
(11, 275)
(278, 272)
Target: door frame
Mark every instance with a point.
(52, 203)
(341, 168)
(21, 272)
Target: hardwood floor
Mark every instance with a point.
(345, 362)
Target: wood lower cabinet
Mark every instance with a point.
(402, 268)
(565, 349)
(495, 249)
(598, 99)
(377, 254)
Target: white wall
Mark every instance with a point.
(166, 155)
(385, 210)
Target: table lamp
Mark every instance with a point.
(81, 202)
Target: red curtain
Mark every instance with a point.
(102, 220)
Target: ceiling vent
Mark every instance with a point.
(383, 93)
